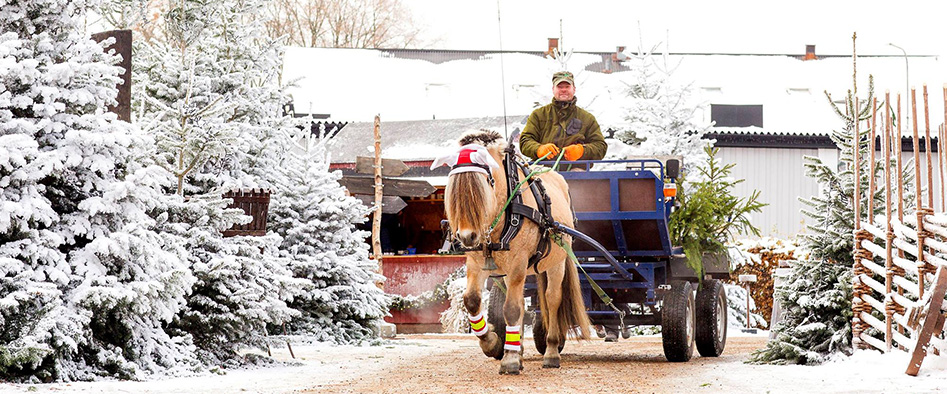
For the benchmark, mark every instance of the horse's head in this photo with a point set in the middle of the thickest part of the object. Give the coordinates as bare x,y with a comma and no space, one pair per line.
470,199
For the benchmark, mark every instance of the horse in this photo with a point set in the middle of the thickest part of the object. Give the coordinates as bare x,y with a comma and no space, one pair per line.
475,195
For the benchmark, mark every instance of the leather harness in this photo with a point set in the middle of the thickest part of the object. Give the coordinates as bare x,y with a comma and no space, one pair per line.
516,211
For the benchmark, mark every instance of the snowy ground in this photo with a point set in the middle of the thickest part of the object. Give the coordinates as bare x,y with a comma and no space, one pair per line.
333,368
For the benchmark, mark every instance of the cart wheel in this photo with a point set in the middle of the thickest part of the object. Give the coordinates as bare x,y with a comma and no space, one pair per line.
495,318
711,330
677,322
539,335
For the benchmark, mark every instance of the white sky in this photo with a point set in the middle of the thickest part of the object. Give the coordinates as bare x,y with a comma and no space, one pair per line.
736,26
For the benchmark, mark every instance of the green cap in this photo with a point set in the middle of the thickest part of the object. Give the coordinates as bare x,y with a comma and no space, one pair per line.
562,76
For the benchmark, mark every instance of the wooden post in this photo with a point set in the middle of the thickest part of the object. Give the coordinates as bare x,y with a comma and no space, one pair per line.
856,196
871,162
122,46
857,302
898,147
940,147
919,210
927,149
940,163
379,196
890,230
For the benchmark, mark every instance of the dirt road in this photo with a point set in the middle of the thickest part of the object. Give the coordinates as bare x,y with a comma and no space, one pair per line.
455,365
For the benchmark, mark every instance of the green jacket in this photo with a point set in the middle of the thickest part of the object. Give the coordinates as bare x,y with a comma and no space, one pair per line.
563,125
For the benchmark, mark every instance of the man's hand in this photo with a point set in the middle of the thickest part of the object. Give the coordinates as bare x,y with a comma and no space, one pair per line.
548,151
574,152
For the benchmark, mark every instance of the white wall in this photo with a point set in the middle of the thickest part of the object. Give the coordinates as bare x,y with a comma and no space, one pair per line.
780,177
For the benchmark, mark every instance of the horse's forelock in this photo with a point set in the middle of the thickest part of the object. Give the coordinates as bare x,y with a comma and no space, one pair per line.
487,138
466,198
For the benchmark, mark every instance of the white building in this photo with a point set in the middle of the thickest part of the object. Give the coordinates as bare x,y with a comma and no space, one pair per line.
770,110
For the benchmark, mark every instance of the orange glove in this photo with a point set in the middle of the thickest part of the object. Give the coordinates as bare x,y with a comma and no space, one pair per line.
574,152
549,151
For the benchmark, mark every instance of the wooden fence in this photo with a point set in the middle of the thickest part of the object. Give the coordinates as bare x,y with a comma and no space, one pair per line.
900,257
255,203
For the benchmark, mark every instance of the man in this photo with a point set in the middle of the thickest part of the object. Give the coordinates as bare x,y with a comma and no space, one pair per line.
562,125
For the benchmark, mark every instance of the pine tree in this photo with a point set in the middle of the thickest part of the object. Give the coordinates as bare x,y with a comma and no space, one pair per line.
209,94
317,223
817,320
660,113
87,282
242,284
213,94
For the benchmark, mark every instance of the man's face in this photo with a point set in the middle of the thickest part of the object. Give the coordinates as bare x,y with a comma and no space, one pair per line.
564,91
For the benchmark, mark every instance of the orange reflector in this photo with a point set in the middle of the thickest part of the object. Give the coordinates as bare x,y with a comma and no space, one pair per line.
670,190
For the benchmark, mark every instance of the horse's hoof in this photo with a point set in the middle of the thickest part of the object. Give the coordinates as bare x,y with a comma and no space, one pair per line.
550,363
491,345
507,371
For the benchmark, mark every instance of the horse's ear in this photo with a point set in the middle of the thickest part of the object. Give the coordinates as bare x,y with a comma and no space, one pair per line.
446,160
484,157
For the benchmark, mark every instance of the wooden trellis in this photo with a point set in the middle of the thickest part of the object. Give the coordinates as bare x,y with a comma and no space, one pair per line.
898,289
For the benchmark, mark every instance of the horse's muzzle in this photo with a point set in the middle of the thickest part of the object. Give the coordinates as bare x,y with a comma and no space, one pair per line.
468,238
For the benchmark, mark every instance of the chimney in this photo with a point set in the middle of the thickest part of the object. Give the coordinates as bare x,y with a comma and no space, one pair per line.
553,47
810,53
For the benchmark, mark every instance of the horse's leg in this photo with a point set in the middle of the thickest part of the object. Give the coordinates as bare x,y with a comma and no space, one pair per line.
512,361
550,316
489,341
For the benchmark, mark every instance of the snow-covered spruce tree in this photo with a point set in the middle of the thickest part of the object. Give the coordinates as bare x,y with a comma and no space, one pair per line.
316,221
242,284
87,283
207,92
214,63
660,112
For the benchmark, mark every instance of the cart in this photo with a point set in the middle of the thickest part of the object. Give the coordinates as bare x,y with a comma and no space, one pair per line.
621,241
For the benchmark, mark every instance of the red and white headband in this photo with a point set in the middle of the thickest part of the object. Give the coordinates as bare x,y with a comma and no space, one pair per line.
469,158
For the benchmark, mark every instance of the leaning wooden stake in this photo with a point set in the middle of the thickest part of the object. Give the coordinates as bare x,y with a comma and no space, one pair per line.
931,324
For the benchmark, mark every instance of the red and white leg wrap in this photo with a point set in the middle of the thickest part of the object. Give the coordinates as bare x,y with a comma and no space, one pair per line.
512,339
478,324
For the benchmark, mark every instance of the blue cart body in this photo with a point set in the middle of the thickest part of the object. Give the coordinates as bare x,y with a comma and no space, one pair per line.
627,213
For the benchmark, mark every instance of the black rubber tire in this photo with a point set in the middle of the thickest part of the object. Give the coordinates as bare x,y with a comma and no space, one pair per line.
495,317
539,335
677,322
711,331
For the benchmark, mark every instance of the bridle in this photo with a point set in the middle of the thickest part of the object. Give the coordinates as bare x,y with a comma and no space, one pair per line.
515,209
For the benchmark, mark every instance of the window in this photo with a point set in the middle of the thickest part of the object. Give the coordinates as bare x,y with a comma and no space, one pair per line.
725,115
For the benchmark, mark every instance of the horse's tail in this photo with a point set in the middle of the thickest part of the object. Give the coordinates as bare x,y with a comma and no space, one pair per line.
572,315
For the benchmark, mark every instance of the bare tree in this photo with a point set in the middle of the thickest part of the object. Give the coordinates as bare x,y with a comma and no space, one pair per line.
342,23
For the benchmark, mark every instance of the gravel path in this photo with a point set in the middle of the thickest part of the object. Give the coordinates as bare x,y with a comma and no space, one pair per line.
455,364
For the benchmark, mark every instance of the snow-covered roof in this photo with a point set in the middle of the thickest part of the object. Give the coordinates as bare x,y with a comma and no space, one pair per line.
356,84
415,140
